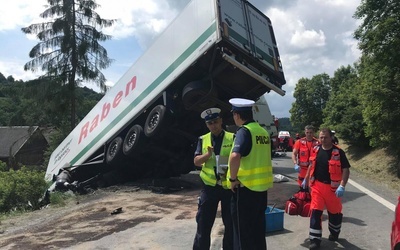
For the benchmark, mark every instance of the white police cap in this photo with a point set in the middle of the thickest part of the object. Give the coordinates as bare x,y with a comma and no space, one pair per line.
210,114
241,104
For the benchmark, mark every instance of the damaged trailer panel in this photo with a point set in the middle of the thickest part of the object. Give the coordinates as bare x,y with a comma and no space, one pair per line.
149,120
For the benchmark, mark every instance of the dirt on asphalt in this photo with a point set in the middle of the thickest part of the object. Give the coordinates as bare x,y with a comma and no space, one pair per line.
89,217
155,203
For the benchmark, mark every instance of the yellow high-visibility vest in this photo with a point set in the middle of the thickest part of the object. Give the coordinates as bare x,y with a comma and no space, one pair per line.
255,170
207,173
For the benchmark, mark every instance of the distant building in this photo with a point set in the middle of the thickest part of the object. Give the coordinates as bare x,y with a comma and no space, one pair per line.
24,145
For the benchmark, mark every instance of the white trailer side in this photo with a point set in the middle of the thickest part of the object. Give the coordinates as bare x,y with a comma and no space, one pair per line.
224,48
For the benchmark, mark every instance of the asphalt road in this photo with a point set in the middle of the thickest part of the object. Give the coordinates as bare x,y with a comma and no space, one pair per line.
366,223
157,220
367,217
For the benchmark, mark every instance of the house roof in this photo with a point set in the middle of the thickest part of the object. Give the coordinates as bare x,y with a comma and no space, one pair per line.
13,138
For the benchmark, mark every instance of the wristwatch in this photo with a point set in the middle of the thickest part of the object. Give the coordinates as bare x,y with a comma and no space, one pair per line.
232,180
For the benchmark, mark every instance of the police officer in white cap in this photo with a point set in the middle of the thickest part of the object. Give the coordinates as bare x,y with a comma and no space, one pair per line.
250,175
215,144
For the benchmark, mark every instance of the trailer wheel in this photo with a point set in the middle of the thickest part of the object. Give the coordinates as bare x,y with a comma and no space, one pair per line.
133,141
114,151
155,120
187,165
194,95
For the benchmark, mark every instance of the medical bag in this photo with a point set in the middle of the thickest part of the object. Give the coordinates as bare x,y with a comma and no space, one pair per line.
299,203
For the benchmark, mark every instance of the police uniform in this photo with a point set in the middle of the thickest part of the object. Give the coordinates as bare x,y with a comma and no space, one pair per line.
254,174
215,187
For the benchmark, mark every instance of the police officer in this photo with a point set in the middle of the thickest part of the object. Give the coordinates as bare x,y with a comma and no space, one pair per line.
327,176
212,152
250,175
301,153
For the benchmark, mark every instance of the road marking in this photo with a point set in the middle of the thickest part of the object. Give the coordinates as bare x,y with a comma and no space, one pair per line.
373,195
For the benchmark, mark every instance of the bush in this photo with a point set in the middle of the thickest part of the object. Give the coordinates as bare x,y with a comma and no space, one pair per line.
59,199
21,189
3,166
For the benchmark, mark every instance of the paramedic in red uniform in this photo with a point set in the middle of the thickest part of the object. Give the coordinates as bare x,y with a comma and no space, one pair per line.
217,142
250,175
327,177
301,153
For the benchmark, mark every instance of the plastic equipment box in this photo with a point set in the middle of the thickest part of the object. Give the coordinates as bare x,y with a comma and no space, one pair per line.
273,219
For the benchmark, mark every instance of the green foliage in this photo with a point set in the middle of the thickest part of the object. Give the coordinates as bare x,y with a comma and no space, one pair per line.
41,103
343,112
69,51
20,188
59,198
379,39
3,166
10,79
311,97
382,104
285,125
2,78
55,139
379,32
363,104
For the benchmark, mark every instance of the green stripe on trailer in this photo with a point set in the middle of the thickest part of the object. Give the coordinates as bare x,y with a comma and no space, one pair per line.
201,39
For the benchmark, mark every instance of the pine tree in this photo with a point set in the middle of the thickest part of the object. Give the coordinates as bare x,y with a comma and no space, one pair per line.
69,52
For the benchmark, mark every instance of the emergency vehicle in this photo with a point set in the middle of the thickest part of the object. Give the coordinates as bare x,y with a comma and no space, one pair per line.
286,142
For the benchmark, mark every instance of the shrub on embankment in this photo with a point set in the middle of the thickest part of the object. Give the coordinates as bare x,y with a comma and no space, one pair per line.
21,189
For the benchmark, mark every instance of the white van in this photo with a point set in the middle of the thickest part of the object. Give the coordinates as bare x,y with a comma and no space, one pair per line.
262,115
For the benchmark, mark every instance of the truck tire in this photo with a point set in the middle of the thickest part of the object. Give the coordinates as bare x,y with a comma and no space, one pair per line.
195,91
155,120
114,151
187,165
133,141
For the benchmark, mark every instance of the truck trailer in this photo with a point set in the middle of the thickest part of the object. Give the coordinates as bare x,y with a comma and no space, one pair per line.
149,121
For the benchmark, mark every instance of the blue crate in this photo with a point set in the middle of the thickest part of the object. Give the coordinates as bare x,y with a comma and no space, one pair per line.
273,219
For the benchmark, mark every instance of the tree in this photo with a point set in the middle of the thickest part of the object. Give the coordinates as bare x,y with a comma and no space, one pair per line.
379,41
10,79
69,51
343,111
311,97
2,78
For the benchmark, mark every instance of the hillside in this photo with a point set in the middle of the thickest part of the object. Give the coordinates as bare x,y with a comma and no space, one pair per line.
376,164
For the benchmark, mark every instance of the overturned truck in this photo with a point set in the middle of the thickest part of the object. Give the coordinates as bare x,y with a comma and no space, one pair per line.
149,121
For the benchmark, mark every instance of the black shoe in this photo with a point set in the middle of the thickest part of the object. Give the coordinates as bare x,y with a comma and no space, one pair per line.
315,244
333,237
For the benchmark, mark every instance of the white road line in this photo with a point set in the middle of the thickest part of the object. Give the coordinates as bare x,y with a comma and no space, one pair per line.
373,195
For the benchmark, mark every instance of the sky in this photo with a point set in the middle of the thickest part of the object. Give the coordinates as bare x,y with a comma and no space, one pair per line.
313,36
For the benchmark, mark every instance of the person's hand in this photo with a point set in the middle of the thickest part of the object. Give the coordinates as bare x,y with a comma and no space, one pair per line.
210,151
339,191
296,168
235,185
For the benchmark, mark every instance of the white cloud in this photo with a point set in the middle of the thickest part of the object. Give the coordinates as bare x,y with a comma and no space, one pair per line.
344,4
15,69
314,36
308,39
142,20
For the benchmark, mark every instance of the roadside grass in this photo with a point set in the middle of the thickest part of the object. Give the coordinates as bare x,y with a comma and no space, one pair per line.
57,199
60,199
375,164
